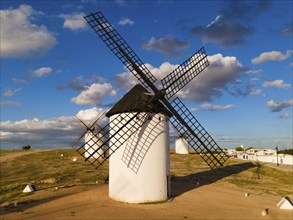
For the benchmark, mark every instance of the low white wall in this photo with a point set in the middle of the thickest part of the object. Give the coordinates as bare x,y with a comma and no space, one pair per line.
282,158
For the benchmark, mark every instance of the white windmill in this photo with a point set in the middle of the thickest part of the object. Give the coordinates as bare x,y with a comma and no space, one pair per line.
138,137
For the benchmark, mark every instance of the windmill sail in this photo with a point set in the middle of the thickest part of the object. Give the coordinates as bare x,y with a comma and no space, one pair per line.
184,73
119,47
183,120
197,137
131,122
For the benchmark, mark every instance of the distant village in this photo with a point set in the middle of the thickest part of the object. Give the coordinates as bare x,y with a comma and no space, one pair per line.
262,155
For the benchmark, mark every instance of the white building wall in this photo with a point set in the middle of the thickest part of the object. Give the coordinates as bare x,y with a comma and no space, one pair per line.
282,158
139,169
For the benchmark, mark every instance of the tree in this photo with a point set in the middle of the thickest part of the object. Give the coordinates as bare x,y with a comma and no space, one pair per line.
26,147
238,148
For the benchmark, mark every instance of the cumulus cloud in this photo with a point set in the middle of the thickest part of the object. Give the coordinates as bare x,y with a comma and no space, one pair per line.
11,92
48,133
74,21
279,83
89,116
125,21
271,56
279,106
232,24
41,72
210,107
94,94
80,83
211,83
221,72
35,39
166,45
126,80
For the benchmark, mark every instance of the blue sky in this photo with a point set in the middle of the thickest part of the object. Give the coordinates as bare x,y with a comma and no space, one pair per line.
53,66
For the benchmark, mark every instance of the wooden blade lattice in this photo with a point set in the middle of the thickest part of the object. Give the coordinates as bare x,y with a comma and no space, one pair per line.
131,122
184,73
201,142
119,47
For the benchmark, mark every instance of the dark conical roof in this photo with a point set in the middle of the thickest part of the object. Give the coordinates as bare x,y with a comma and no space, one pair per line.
133,101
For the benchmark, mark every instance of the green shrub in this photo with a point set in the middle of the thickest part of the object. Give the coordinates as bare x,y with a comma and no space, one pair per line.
26,147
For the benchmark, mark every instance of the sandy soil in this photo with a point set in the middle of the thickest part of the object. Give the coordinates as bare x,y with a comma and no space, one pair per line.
190,201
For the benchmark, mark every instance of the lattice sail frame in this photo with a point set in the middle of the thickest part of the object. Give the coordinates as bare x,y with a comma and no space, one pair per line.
202,136
119,46
184,121
131,122
184,73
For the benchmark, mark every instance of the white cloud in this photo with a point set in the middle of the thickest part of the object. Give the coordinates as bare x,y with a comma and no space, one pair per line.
11,92
279,106
221,72
210,83
89,116
94,94
210,107
126,80
125,21
21,81
166,45
57,132
42,71
35,39
271,56
9,103
74,21
286,115
48,133
276,83
255,92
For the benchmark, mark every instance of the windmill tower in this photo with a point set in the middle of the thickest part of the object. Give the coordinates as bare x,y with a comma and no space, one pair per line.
134,123
181,145
94,139
141,164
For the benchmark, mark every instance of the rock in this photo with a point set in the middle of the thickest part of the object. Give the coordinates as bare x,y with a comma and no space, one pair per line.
247,194
74,159
265,212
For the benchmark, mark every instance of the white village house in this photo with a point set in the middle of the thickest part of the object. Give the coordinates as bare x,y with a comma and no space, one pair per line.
263,155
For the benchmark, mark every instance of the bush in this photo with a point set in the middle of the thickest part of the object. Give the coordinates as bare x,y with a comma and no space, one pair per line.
286,151
238,148
26,147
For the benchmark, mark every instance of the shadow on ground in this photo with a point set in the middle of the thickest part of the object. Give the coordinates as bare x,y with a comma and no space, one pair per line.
28,203
182,184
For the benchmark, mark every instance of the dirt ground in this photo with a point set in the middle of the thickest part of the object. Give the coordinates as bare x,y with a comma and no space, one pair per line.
214,201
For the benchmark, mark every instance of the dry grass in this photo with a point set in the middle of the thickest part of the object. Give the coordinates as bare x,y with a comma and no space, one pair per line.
39,167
